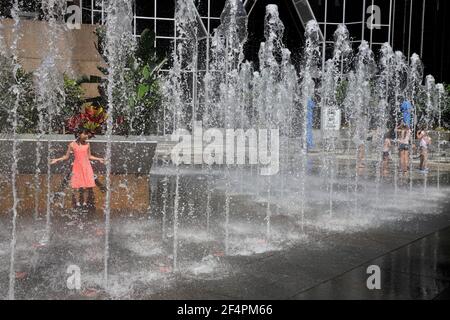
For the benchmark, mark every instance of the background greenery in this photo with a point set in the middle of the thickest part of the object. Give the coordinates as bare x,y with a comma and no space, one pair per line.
28,114
142,112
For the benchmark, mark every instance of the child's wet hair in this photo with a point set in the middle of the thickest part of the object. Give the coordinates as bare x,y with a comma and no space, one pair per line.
423,127
81,131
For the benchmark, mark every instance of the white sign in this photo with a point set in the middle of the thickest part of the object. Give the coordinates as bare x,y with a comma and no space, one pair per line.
331,119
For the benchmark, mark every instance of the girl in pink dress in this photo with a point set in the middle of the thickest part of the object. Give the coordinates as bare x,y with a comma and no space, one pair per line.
82,174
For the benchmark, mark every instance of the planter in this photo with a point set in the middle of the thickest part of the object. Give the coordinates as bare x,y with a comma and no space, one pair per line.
131,163
132,155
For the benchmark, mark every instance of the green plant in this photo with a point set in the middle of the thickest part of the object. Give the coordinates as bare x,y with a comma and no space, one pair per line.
141,113
145,109
341,92
91,118
74,99
26,111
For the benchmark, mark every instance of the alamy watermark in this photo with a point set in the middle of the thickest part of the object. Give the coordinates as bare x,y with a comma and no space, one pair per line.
74,12
74,18
374,21
374,280
228,146
74,280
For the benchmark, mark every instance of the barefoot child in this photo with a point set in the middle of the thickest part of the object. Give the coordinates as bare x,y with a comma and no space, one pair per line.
404,147
82,174
425,141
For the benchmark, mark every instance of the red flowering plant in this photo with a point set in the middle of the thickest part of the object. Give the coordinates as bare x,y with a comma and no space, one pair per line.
92,118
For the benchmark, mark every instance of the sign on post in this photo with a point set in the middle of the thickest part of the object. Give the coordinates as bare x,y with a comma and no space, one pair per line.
331,121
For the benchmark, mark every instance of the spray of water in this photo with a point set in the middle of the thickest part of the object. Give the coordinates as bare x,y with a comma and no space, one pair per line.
16,90
363,101
119,43
310,71
332,82
400,80
440,104
385,97
415,78
50,94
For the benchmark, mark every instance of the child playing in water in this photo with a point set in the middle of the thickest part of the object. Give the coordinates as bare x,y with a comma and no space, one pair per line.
424,141
386,153
404,137
82,174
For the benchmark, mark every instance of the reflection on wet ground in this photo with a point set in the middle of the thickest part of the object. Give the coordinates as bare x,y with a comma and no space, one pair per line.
418,270
243,240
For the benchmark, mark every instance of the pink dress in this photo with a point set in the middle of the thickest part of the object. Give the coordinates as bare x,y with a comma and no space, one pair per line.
82,173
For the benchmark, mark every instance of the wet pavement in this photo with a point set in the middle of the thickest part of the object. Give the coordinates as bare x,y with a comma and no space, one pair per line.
241,240
418,270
